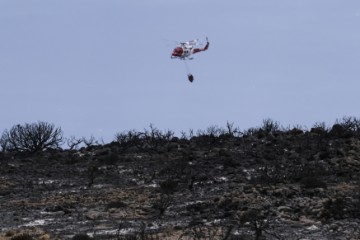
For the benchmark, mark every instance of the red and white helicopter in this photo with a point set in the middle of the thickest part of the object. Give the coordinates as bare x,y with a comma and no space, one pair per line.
185,50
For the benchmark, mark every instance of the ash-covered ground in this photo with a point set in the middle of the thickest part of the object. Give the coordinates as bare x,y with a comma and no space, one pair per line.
291,184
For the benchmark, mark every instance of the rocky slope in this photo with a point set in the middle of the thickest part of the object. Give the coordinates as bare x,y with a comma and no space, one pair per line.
264,185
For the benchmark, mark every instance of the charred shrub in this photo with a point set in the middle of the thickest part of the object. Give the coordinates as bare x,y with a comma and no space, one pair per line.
319,128
338,130
198,232
229,162
168,186
23,236
151,140
116,204
270,126
162,203
257,219
313,182
346,127
34,137
334,209
353,205
201,207
270,174
110,159
130,138
82,237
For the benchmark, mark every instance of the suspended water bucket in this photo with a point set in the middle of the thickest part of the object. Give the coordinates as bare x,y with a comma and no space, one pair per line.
190,77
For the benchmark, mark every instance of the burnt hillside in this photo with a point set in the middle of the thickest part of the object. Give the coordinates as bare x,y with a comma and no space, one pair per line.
264,183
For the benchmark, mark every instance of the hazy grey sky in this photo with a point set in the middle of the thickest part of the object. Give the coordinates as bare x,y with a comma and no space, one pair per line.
98,67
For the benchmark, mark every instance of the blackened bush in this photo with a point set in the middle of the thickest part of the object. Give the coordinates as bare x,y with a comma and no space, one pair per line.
230,163
116,204
334,208
162,203
23,236
350,124
33,137
4,142
256,219
82,237
168,186
130,139
313,182
338,130
296,131
346,127
270,126
320,128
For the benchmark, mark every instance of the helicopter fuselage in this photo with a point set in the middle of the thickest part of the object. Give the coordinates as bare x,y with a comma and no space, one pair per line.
182,52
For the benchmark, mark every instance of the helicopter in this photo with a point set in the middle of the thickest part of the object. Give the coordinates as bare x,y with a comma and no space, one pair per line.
185,50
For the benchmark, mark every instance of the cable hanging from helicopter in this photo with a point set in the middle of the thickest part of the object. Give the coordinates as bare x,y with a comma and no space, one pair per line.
185,50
